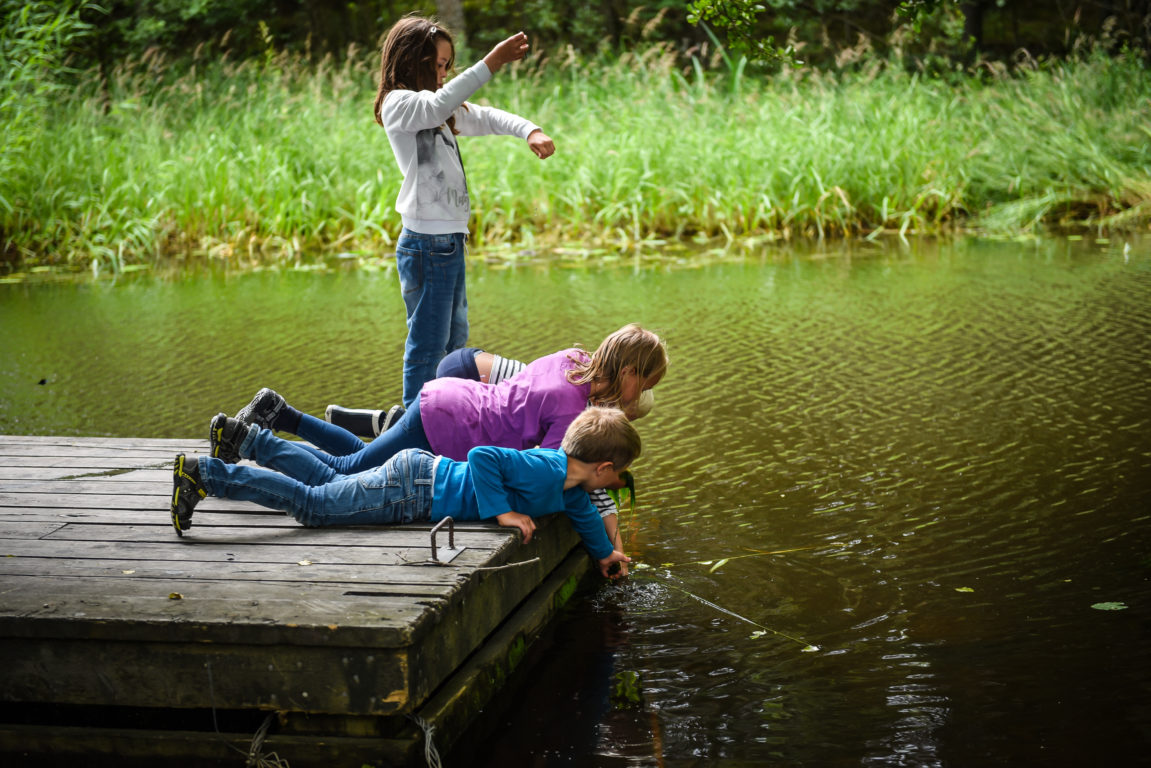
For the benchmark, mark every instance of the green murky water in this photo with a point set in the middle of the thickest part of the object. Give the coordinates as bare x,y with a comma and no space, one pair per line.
954,440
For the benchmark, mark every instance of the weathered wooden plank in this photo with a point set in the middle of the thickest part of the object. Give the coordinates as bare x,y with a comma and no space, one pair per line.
278,531
212,513
10,474
32,529
306,574
85,500
90,463
152,483
209,552
93,747
192,674
50,606
109,450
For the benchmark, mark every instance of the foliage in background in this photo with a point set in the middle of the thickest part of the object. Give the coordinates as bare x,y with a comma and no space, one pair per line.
815,30
35,42
278,158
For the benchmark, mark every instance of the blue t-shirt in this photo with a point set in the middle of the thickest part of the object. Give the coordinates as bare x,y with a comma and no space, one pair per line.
497,480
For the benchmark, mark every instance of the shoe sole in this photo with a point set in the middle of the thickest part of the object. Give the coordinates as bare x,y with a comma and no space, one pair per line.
177,470
216,435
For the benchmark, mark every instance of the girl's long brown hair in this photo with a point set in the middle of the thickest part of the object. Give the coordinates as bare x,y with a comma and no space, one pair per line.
408,59
630,347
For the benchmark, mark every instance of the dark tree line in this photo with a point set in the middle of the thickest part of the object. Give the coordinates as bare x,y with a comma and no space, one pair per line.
822,28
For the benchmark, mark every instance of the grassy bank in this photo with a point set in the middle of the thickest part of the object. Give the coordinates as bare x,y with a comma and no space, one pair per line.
275,159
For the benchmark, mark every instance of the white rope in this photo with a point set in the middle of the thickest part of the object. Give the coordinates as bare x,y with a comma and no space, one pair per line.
431,756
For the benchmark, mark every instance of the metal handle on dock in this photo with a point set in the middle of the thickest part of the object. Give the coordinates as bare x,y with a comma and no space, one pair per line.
451,537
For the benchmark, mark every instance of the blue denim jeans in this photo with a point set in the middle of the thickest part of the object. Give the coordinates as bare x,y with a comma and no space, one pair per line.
431,269
398,491
342,451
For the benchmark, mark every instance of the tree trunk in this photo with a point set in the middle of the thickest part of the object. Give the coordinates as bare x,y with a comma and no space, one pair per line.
451,13
973,23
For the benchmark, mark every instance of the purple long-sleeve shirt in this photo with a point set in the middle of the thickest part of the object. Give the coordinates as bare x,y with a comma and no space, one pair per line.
532,408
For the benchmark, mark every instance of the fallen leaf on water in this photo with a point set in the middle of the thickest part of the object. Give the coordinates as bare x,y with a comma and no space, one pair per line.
964,589
1110,606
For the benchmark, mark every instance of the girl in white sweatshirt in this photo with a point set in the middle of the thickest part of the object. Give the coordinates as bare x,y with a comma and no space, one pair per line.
422,116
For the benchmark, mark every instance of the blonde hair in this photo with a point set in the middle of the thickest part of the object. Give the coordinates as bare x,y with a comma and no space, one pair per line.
602,434
630,347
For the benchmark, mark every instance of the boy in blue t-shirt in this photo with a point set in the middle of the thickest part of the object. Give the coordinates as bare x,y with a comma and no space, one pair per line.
503,484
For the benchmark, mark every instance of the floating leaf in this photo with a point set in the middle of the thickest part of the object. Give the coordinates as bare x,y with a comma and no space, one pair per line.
758,634
175,596
1110,606
718,565
964,589
810,649
640,566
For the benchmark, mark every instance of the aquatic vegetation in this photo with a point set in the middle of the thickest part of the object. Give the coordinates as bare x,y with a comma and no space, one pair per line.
278,160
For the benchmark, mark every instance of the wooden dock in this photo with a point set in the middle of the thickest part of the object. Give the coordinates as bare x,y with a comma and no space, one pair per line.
250,636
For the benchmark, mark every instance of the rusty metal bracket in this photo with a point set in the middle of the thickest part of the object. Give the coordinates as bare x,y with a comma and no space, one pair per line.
448,553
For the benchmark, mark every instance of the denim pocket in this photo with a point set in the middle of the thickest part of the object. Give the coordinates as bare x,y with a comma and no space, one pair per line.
410,267
384,476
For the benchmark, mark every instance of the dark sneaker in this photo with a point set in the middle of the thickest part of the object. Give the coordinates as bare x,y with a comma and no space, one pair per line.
395,413
225,436
361,422
186,492
263,409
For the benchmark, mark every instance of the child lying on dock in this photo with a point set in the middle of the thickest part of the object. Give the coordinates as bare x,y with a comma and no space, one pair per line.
414,486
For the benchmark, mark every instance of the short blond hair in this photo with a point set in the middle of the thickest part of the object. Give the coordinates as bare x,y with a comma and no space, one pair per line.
602,434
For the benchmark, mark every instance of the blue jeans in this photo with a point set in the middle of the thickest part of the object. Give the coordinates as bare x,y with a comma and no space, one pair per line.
339,449
432,275
399,491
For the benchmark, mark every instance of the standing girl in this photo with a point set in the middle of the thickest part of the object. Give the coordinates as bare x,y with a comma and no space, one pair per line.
422,116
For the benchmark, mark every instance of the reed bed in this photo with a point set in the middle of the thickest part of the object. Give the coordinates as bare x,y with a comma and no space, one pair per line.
280,160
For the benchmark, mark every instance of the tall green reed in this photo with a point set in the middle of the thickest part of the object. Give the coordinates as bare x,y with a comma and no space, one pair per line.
279,159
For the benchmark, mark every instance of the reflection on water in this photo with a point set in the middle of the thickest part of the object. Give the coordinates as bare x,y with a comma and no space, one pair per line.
953,442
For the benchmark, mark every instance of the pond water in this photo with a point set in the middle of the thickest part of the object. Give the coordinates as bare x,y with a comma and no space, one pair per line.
888,491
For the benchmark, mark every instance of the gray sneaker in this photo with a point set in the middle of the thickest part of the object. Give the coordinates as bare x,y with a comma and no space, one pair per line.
263,409
225,436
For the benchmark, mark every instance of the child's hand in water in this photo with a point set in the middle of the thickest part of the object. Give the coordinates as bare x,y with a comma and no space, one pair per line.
605,565
539,143
512,49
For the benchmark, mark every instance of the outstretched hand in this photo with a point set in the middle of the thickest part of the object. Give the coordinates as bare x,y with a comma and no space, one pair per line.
541,144
512,49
